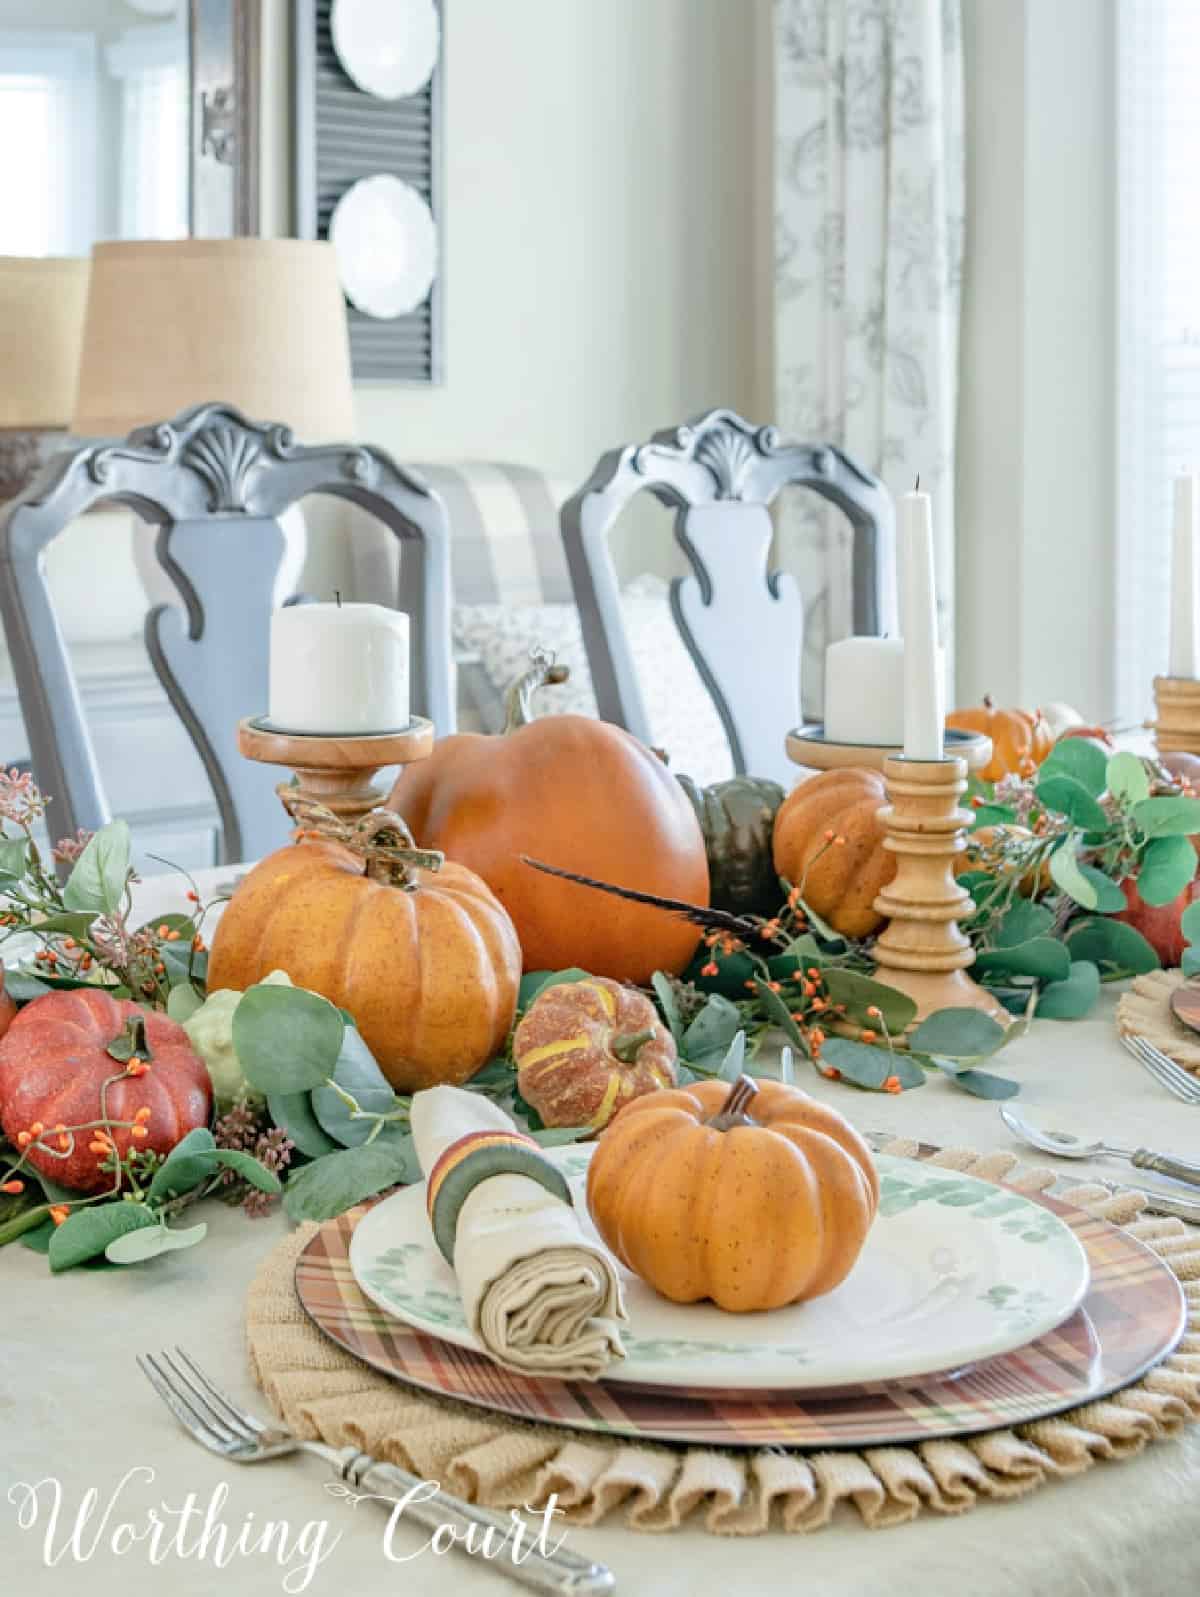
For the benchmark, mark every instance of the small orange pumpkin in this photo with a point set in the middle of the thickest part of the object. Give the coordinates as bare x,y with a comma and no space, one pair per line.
998,850
840,880
585,1049
751,1195
426,960
1021,739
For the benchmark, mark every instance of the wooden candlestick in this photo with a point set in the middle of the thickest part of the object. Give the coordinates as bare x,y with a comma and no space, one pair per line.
923,951
335,771
1177,726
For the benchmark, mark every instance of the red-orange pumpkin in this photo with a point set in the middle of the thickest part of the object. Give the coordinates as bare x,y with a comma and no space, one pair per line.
54,1067
585,1048
580,794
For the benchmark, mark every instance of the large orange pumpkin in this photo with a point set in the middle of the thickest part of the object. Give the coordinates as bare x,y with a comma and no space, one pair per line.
55,1067
584,1049
1021,739
839,880
425,960
579,794
751,1197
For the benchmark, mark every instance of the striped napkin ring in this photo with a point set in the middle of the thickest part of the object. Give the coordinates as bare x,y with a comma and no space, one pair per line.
474,1158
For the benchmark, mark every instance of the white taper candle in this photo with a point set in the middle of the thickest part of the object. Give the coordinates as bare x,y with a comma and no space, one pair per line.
924,710
1182,658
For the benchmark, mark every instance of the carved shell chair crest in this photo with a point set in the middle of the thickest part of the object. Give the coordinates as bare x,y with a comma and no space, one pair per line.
215,485
741,620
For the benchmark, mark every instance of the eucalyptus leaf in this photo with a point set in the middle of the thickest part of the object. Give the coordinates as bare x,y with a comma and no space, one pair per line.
1168,817
1066,874
356,1073
1127,778
981,1083
1190,962
1042,957
71,923
292,1112
1118,949
148,1243
860,994
286,1039
98,877
22,985
1189,922
993,815
665,994
735,1059
251,1170
1110,900
1073,998
88,1232
780,1015
1065,795
14,858
560,1136
1023,922
1168,866
183,1002
960,1032
38,1240
183,963
331,1185
707,1039
537,981
1080,760
191,1161
865,1066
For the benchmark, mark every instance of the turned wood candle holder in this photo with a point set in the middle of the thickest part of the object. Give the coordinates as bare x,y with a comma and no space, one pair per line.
923,951
808,747
333,770
1177,725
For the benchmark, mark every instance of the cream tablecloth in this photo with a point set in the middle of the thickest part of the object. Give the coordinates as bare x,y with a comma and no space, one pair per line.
73,1407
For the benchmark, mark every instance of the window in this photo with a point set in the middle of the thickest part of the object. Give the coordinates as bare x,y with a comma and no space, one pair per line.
48,131
149,64
1158,340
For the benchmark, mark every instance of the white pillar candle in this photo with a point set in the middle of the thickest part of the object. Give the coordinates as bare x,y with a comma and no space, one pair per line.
864,692
924,705
339,669
1184,658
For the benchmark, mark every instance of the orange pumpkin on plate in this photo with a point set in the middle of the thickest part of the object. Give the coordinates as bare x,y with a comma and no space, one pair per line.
585,1049
1021,739
426,961
753,1196
576,793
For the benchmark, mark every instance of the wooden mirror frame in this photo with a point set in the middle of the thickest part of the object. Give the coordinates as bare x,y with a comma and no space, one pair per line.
224,47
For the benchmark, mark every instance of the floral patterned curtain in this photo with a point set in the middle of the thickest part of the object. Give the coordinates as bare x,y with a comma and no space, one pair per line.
869,240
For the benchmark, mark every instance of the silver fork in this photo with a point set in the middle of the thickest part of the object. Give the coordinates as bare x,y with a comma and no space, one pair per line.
1165,1071
217,1423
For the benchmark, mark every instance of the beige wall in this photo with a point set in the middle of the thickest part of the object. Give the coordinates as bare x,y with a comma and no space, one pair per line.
607,191
1036,501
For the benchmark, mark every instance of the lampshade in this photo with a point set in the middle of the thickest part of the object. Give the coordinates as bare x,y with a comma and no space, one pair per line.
41,323
255,323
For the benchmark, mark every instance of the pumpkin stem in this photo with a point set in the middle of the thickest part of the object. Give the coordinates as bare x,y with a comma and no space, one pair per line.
131,1043
518,703
988,702
741,1094
626,1048
389,852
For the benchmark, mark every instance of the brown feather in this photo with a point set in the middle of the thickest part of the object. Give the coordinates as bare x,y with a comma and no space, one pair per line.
713,920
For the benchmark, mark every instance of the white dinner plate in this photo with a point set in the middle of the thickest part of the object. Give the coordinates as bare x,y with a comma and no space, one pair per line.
389,48
385,239
954,1270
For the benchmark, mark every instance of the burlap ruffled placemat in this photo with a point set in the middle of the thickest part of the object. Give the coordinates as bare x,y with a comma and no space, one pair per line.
1145,1011
323,1393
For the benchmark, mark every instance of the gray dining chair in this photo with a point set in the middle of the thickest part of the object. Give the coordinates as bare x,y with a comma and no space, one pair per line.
741,619
214,484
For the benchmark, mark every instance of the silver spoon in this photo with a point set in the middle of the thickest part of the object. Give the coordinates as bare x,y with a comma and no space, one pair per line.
1065,1146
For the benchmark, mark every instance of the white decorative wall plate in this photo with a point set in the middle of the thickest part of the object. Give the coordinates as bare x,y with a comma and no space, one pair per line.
387,248
389,48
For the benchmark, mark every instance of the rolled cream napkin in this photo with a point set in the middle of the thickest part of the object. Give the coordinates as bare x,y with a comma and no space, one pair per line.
540,1295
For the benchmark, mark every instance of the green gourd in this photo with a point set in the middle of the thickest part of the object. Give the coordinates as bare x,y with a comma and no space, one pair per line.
737,817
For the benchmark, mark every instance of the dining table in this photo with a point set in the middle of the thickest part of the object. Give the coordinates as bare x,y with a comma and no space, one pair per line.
78,1417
